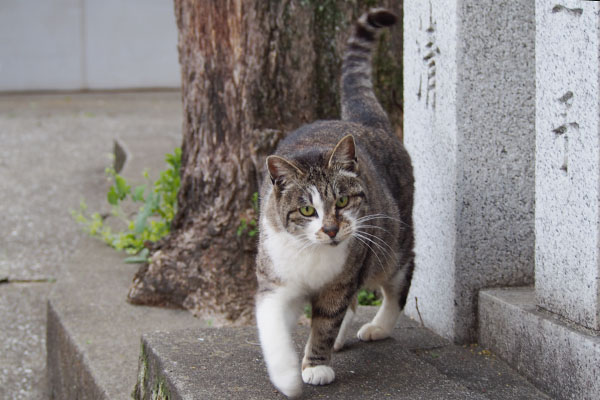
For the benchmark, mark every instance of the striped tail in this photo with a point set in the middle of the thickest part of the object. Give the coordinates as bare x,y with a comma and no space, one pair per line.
359,103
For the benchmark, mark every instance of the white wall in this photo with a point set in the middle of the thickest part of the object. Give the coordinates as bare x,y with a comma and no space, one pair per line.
87,44
469,126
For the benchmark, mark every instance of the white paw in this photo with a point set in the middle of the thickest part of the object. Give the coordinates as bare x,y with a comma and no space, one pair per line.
288,382
319,375
370,332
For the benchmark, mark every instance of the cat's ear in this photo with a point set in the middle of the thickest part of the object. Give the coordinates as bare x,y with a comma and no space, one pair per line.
282,170
344,154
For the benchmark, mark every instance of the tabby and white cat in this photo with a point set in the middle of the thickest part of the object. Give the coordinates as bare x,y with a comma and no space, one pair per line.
336,215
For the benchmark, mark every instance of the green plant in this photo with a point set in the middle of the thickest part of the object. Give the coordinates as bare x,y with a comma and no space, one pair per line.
308,311
368,298
153,218
250,225
365,298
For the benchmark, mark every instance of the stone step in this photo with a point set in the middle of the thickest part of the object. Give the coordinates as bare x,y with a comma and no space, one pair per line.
93,343
554,353
227,363
93,334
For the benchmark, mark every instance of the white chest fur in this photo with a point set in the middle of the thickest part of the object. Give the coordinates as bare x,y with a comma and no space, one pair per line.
309,267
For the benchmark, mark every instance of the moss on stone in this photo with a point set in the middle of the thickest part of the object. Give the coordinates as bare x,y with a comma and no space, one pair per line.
160,389
139,392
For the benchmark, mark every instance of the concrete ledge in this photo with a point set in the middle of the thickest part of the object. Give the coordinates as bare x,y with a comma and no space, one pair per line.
552,353
93,334
93,343
415,363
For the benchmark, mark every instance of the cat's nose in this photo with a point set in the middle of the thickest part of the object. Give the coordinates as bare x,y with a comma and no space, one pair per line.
331,231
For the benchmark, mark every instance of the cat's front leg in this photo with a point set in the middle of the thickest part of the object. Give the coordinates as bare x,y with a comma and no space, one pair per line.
325,325
276,314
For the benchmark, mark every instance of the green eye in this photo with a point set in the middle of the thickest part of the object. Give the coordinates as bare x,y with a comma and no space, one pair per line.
307,211
342,202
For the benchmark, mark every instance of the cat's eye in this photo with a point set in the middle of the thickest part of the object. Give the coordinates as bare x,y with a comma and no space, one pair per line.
307,211
342,202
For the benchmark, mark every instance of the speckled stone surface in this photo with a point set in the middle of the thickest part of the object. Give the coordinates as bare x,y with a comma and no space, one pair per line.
414,364
568,160
53,152
54,149
93,333
22,340
469,97
553,353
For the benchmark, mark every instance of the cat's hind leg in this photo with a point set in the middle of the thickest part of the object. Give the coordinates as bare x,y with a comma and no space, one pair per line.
394,293
382,325
276,314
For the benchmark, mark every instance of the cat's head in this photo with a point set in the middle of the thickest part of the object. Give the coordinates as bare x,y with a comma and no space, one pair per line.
319,197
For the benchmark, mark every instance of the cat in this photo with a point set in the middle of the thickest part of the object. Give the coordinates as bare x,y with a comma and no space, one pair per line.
335,216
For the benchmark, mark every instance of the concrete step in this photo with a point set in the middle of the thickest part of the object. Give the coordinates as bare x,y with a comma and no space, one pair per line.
93,343
53,153
415,363
554,353
93,334
22,340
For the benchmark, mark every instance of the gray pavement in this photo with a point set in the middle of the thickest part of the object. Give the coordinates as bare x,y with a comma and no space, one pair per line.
413,364
53,152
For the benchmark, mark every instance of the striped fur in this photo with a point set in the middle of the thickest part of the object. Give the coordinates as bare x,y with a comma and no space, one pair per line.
359,103
336,215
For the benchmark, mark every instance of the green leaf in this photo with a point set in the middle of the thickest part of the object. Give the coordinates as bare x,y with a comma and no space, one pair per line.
308,310
141,257
153,220
368,298
112,196
254,201
241,227
122,188
145,212
138,193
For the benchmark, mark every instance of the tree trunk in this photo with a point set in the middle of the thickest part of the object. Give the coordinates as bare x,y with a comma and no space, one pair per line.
252,70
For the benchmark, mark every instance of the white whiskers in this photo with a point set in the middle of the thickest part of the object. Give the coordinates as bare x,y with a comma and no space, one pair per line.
378,246
363,242
371,217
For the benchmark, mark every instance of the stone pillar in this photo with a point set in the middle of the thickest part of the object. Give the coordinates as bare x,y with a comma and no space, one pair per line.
469,126
567,225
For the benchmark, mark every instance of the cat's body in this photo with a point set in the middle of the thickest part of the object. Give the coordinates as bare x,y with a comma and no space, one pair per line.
335,216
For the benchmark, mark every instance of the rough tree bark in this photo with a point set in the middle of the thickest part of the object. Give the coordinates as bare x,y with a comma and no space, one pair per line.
252,70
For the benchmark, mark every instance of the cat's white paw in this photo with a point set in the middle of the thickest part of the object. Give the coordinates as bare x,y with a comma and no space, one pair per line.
288,382
370,332
319,375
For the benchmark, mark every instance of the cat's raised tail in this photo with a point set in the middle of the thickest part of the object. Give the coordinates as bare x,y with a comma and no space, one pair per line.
359,103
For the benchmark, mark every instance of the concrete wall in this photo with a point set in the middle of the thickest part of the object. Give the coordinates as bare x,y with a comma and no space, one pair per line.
469,95
87,44
551,332
568,160
430,134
